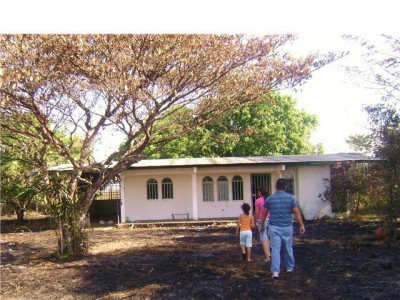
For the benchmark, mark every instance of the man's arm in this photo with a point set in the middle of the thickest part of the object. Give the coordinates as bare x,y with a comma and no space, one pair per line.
299,219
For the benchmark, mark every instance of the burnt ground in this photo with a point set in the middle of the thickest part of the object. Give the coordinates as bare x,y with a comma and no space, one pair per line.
334,260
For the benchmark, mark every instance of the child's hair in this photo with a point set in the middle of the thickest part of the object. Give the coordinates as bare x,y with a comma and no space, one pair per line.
246,208
263,191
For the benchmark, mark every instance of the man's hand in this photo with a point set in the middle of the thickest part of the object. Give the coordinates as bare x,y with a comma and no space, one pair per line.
302,229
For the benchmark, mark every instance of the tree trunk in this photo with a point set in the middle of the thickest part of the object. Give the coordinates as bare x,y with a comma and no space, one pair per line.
20,211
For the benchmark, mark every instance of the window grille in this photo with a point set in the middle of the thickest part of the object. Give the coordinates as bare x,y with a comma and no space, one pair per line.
289,184
152,189
222,185
237,188
208,194
167,189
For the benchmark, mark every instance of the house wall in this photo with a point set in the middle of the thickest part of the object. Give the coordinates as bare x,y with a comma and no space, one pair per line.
310,185
188,192
136,205
222,209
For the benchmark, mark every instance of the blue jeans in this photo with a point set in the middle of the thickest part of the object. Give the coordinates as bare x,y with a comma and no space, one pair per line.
281,236
263,235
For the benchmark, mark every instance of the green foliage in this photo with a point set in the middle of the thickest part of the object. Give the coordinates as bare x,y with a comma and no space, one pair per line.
67,212
272,127
23,159
385,122
18,196
356,186
362,143
381,73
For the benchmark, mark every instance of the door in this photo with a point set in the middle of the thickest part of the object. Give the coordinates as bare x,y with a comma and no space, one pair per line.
258,180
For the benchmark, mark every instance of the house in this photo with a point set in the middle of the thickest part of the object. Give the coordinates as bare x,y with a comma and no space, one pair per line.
204,188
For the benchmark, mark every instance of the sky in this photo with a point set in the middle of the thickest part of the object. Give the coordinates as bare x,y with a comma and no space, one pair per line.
334,96
331,94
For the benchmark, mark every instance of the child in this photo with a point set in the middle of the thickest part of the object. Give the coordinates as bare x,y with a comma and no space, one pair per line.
258,213
245,224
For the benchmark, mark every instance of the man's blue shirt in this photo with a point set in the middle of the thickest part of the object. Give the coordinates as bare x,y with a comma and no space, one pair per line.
280,207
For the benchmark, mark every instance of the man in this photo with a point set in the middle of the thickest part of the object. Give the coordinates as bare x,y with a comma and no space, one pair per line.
280,206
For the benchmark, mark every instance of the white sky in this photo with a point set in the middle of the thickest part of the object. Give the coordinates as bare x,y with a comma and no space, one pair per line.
330,94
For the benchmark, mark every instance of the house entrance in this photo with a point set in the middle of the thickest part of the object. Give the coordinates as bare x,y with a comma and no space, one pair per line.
107,204
258,180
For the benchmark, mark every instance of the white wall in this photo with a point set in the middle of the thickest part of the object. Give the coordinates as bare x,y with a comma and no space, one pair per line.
310,184
137,207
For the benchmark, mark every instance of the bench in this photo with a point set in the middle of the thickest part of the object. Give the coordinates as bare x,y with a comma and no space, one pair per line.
186,214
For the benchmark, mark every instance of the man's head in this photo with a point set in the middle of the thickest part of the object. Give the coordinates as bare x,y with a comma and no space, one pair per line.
281,184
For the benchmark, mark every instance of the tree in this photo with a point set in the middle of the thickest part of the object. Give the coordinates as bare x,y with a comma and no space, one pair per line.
271,127
94,84
20,156
385,123
355,186
382,73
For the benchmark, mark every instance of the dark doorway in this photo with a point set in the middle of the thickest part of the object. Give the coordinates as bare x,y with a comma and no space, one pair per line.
107,203
258,180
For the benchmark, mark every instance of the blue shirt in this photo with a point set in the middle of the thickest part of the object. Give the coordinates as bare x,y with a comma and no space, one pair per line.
280,207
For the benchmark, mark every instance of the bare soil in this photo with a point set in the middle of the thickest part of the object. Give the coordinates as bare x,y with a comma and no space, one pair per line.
334,260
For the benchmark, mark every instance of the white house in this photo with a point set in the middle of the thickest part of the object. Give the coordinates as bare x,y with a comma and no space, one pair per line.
204,188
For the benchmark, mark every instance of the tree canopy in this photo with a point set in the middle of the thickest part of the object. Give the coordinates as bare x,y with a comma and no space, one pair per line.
270,127
20,156
382,73
91,85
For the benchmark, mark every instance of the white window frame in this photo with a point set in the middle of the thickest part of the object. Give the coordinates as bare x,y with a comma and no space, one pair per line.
223,188
167,188
208,189
152,189
237,188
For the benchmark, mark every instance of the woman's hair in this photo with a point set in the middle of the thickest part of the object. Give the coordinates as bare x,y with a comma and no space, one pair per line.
246,208
263,191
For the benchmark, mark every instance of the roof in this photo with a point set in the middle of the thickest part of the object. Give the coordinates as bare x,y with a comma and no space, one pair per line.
252,160
312,159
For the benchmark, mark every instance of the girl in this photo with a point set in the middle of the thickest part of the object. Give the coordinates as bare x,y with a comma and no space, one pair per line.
245,224
258,213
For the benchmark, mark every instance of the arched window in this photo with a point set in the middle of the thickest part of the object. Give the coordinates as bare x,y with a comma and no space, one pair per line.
208,194
152,189
237,188
222,187
167,189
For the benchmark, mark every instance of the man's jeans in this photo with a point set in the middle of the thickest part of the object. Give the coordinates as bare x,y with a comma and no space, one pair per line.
281,236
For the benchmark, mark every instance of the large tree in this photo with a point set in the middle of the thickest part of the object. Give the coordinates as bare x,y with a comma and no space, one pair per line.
94,84
20,156
271,127
381,72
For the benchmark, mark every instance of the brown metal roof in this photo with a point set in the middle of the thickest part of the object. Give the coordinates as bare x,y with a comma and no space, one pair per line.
312,159
252,160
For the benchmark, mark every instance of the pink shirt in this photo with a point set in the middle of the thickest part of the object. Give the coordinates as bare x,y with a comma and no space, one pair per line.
260,205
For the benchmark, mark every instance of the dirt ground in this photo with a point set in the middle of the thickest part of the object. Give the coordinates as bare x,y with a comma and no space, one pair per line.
334,260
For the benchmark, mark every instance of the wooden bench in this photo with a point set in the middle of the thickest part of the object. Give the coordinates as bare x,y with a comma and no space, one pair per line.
186,214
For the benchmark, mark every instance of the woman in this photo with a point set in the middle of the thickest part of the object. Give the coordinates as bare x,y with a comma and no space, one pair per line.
258,213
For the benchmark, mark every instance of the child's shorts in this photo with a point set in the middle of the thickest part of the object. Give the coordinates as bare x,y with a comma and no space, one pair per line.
246,238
